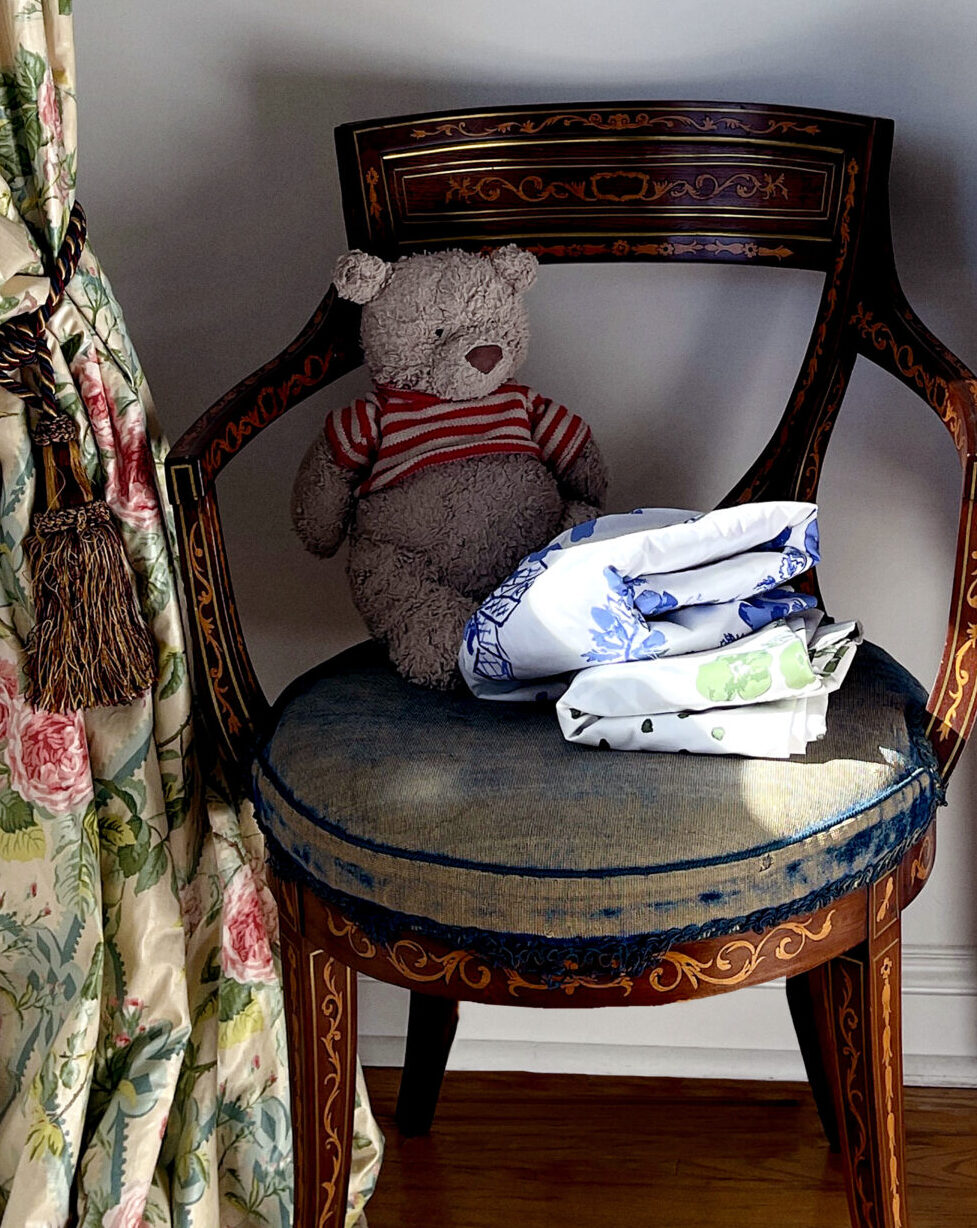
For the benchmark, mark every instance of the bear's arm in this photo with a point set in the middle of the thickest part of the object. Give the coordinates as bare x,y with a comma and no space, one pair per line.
322,499
585,479
558,433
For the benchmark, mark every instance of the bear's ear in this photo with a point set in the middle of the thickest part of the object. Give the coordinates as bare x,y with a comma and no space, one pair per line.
360,277
519,268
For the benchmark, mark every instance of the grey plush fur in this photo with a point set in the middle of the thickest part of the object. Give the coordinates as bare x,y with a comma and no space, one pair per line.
426,551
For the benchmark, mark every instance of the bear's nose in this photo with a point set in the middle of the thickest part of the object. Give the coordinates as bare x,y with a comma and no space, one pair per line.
484,357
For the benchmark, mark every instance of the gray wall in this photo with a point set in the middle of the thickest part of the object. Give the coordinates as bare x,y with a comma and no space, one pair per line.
207,169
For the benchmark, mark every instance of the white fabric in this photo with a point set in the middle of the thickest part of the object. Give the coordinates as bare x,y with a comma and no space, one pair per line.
668,630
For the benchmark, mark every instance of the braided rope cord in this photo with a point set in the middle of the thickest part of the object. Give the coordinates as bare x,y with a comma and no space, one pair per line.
23,343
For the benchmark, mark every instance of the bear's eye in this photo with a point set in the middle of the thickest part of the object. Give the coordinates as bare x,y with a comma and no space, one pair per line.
439,332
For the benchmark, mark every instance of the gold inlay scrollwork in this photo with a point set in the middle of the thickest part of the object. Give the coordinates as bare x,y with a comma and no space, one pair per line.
372,179
270,403
330,997
883,909
617,121
739,959
934,388
749,249
568,983
922,864
849,1025
417,964
211,642
959,640
633,187
357,941
735,963
807,483
961,674
889,1075
841,259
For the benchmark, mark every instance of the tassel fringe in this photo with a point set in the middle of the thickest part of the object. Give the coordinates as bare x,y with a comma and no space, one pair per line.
89,647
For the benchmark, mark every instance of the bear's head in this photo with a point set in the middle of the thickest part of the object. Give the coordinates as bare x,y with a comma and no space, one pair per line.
452,324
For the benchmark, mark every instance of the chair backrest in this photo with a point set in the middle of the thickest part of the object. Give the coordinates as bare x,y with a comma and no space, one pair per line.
618,181
660,181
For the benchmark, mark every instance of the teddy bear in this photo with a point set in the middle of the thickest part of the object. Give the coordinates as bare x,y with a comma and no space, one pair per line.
448,473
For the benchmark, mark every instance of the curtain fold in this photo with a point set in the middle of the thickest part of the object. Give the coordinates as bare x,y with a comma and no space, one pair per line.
143,1075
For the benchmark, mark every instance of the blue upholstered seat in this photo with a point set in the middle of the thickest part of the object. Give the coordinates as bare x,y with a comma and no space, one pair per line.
476,822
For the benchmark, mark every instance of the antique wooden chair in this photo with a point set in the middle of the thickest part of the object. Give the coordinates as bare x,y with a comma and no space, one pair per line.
402,848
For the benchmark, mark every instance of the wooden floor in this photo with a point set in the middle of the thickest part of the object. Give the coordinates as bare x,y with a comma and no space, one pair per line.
572,1151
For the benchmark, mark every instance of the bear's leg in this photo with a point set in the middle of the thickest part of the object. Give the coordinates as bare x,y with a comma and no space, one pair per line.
404,604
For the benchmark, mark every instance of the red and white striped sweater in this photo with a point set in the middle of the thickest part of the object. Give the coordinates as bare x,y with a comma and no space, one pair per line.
392,433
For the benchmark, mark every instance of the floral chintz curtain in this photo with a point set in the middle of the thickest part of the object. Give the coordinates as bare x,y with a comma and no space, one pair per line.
143,1074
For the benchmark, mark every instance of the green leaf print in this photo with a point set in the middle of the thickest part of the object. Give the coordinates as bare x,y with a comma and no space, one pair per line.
92,986
153,868
172,673
8,135
21,837
745,675
234,998
795,666
77,870
114,831
132,857
71,345
29,71
15,814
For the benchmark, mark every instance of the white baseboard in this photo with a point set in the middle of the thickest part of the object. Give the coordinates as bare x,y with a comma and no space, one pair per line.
744,1035
657,1061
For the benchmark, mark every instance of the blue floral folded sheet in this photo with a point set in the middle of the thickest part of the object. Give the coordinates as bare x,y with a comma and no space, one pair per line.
669,630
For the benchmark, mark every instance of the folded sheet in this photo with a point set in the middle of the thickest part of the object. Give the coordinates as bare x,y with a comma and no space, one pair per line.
766,696
668,630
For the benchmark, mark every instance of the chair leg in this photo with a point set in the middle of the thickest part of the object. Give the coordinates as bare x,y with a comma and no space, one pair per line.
431,1028
806,998
320,1009
865,996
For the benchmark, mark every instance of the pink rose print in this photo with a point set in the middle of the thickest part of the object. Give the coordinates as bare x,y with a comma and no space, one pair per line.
269,908
88,377
245,950
128,1213
9,678
9,683
191,908
137,501
48,759
48,111
130,489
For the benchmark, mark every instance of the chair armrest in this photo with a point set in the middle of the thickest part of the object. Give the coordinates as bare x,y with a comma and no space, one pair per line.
324,350
889,332
233,706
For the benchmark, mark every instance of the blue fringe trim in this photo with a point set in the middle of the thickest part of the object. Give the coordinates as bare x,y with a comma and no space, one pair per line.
556,960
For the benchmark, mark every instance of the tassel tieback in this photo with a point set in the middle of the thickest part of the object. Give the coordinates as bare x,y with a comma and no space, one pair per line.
90,646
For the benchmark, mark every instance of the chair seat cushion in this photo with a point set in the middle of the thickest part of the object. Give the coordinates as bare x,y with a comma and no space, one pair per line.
476,822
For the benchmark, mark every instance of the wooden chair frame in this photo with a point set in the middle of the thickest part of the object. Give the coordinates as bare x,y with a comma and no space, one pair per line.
656,181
